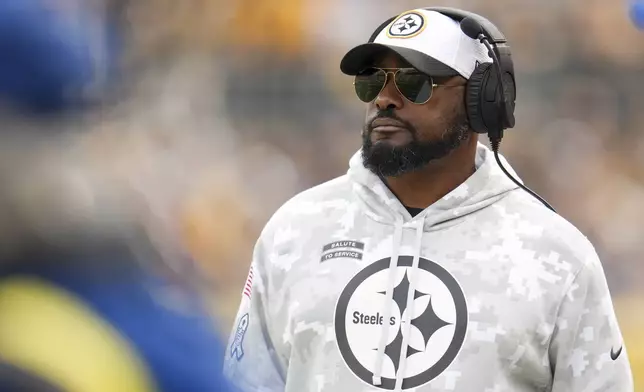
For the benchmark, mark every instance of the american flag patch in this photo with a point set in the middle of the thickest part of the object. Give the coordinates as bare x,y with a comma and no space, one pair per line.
248,287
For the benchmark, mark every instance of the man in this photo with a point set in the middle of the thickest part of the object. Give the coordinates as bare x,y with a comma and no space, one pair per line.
424,268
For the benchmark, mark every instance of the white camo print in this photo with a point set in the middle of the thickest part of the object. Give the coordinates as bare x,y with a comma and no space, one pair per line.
539,313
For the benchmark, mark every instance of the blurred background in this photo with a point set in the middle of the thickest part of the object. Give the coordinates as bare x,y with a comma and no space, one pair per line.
199,118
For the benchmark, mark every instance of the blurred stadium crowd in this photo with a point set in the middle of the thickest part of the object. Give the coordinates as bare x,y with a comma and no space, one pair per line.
198,118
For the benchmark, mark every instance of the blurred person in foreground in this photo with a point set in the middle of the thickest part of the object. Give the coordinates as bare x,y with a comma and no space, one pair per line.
87,301
425,267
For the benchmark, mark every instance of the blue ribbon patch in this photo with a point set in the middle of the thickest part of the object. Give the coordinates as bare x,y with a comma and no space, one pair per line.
236,349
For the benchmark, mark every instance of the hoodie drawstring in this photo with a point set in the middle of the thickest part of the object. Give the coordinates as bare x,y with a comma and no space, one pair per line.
384,331
405,323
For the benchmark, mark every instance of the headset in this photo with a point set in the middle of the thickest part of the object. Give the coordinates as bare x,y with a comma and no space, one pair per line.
490,94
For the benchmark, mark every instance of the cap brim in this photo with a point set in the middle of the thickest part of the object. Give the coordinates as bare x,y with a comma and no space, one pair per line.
364,56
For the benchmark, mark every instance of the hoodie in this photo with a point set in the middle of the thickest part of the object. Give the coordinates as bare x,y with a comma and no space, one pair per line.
484,290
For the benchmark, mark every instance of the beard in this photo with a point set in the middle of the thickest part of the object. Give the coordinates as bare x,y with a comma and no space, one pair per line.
387,160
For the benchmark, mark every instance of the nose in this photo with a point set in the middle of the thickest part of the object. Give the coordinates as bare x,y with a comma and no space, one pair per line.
389,97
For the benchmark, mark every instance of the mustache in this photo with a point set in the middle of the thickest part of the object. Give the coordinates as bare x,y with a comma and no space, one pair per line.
388,113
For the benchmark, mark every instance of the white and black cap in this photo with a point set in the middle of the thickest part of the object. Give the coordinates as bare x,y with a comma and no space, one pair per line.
431,42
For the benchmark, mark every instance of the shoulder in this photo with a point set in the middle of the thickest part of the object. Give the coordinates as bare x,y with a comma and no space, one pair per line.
311,205
547,233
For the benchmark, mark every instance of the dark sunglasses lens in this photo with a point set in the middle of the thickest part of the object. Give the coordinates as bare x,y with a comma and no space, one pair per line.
415,86
369,83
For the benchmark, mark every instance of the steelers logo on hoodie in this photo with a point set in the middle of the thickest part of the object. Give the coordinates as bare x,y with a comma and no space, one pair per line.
400,324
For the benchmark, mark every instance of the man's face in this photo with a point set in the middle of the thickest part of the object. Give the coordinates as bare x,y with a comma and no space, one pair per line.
420,133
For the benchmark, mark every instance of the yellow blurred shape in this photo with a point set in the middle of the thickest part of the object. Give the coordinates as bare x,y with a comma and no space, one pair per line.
276,25
631,321
48,332
214,225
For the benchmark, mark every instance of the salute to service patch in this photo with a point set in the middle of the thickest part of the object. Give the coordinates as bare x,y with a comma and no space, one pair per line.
340,249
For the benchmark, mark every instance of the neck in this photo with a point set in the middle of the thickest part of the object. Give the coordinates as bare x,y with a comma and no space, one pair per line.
424,187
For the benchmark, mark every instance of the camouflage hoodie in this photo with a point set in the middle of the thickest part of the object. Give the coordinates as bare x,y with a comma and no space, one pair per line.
485,290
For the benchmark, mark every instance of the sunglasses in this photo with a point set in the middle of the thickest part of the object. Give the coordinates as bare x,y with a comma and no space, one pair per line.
412,84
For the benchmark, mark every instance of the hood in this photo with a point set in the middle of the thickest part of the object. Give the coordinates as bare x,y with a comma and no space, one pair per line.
486,186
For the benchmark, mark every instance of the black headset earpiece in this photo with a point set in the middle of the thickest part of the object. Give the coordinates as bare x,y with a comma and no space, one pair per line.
478,83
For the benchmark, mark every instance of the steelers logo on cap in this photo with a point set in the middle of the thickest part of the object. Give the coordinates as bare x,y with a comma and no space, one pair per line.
407,25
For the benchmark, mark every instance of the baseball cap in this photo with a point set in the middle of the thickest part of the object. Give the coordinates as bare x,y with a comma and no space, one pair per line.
431,42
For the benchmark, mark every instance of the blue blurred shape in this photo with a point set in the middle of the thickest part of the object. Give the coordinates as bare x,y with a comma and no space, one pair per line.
45,56
637,13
